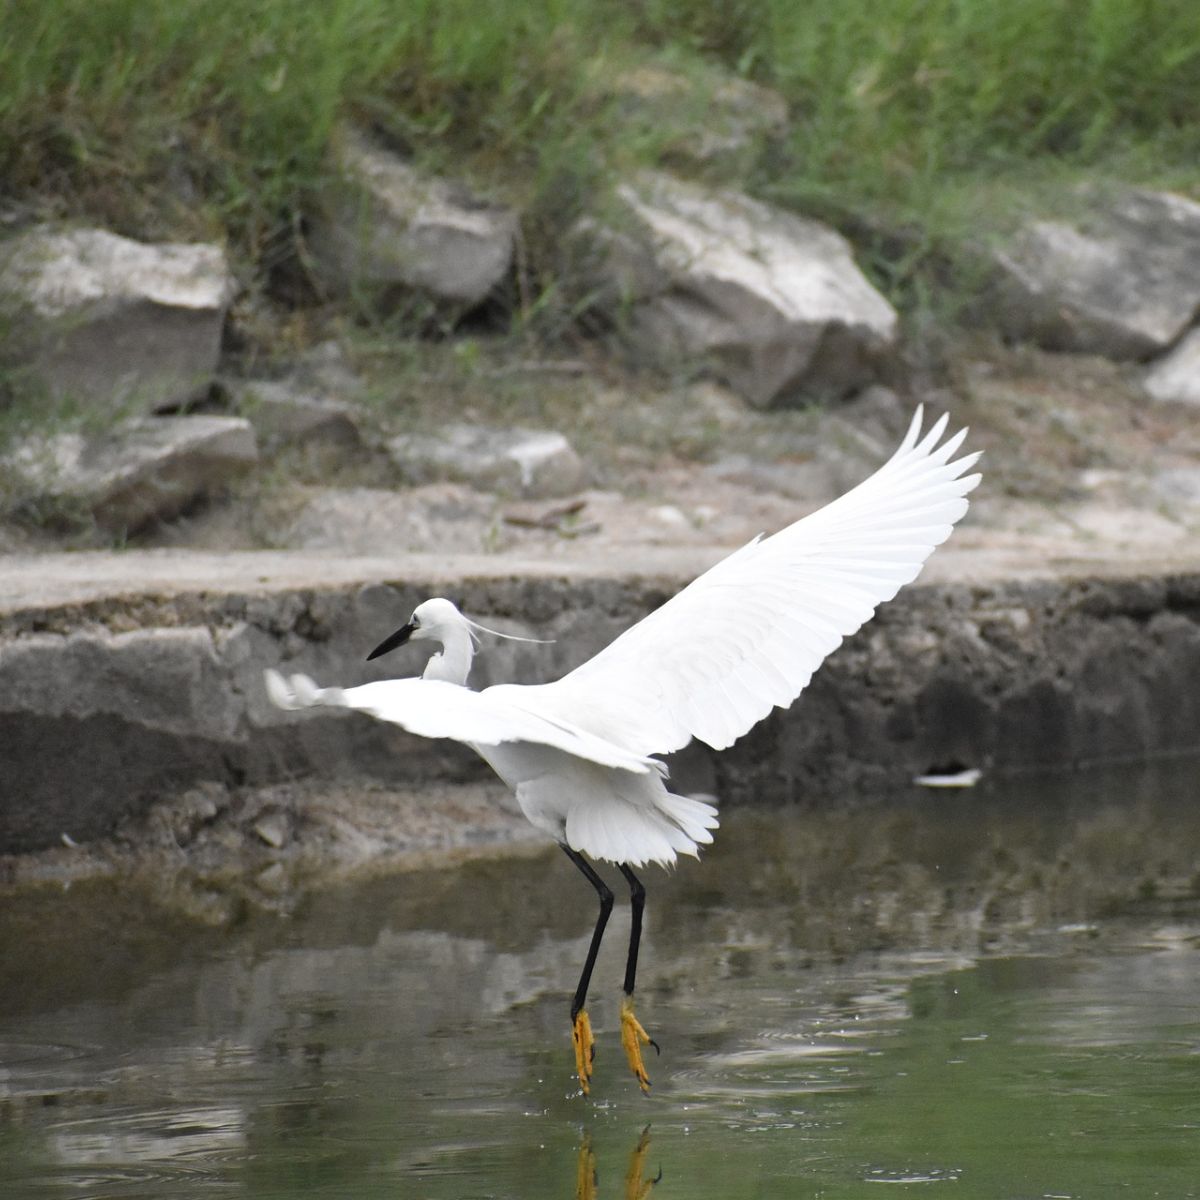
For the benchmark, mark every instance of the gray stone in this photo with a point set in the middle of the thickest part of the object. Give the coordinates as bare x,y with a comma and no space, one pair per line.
386,230
1122,279
771,302
284,414
166,679
94,725
1176,376
148,469
446,518
706,118
811,482
325,369
273,829
113,321
525,462
1178,487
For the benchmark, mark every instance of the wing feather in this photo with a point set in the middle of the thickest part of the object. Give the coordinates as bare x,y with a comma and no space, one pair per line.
747,635
436,709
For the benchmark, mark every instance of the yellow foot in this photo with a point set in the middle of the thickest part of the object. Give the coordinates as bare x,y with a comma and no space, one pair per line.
585,1048
633,1038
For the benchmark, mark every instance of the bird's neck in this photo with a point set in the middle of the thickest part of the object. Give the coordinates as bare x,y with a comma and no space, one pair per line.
453,664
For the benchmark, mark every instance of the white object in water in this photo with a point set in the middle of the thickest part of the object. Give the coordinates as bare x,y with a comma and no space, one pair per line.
743,638
968,777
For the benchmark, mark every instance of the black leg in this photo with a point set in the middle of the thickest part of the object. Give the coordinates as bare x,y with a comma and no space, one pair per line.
637,902
606,903
633,1036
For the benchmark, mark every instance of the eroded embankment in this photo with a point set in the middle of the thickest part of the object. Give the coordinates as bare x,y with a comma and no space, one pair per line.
126,680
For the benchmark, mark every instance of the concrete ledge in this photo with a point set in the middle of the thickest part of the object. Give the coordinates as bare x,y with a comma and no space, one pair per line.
128,678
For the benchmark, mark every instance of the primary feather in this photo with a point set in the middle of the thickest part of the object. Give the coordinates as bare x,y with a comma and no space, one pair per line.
743,638
747,635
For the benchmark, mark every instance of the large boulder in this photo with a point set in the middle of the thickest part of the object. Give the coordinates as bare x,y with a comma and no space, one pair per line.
524,462
148,469
1121,279
113,321
770,302
388,232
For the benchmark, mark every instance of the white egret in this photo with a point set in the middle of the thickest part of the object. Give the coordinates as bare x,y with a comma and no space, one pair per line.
743,638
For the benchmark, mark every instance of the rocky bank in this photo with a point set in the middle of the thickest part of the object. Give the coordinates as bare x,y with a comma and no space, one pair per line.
1060,626
131,683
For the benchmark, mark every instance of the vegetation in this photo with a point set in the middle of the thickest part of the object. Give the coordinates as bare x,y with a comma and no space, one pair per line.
908,120
211,117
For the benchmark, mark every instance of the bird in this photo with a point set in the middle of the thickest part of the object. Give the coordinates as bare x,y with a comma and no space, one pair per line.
581,753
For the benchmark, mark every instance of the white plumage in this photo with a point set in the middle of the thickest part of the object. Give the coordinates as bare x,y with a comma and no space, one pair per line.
744,637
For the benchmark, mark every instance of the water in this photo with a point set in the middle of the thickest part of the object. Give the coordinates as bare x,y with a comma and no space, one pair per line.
988,994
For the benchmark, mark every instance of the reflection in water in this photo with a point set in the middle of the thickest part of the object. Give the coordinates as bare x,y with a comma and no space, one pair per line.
996,990
146,1138
637,1185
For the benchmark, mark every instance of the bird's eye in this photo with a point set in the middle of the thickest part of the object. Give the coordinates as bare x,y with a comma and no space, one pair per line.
415,622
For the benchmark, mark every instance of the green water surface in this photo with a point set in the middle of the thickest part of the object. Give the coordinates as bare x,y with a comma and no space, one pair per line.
987,994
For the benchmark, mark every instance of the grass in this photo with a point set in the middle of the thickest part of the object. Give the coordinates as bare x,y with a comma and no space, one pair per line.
211,117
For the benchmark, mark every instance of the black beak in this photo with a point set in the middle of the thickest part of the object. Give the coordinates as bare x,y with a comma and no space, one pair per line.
390,643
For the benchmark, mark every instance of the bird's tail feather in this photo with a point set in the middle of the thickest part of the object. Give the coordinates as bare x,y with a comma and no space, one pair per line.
693,815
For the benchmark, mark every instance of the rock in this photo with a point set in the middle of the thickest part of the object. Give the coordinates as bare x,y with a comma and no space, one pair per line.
811,481
283,414
1178,488
446,518
179,820
273,828
107,720
170,678
148,469
530,463
324,369
1176,376
1121,280
772,303
114,321
388,231
703,118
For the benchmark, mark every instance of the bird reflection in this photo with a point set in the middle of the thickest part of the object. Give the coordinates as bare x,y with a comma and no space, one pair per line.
636,1187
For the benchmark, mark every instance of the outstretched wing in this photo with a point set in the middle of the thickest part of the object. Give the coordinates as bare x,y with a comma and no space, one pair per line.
747,635
436,709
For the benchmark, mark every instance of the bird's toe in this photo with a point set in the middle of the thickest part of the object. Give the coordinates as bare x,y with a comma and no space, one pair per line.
633,1038
585,1048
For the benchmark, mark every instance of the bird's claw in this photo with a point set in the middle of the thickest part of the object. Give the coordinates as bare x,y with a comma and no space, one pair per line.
633,1038
585,1048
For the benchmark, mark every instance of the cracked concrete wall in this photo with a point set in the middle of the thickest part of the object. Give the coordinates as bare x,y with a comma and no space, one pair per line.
1015,677
108,706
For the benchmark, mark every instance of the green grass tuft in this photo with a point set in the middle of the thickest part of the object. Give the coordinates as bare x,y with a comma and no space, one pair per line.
210,118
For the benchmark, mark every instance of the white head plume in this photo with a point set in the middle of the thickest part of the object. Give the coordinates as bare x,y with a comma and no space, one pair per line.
476,629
